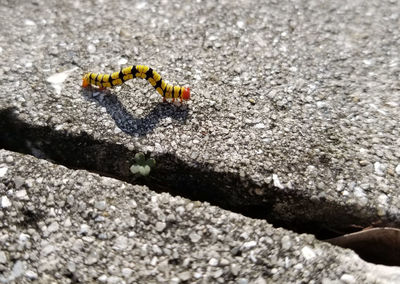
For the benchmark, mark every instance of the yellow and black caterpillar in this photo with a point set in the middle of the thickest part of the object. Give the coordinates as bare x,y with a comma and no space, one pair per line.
167,91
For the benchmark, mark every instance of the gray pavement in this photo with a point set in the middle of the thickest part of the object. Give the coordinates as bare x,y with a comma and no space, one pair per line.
294,113
71,226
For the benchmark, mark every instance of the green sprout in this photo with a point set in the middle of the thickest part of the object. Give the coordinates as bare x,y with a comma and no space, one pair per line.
142,166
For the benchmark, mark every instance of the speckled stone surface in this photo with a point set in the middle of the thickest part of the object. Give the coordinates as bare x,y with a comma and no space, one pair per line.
298,101
72,226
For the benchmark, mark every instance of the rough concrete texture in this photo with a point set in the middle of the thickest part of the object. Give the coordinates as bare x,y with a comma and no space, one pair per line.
297,100
68,226
294,113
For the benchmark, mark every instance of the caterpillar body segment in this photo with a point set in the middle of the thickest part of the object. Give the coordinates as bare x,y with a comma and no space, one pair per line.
166,90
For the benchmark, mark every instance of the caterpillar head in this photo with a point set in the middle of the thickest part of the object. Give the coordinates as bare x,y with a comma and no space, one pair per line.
85,81
186,94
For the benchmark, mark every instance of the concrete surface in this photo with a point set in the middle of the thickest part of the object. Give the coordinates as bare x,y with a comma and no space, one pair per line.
71,226
295,107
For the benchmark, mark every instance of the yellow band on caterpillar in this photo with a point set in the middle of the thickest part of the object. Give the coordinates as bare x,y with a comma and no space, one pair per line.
166,90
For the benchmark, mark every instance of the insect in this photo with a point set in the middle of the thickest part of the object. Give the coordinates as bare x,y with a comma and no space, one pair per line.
166,90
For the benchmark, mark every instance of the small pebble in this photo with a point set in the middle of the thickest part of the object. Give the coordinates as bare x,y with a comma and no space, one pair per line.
21,194
32,275
308,253
249,245
9,159
286,243
259,126
91,48
100,205
3,257
348,279
160,226
379,169
120,243
114,280
194,237
3,171
185,276
143,217
102,278
84,230
18,269
4,202
235,269
213,262
53,227
92,258
218,273
126,272
397,170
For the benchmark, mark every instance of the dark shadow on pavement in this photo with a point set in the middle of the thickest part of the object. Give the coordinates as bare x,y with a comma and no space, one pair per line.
127,122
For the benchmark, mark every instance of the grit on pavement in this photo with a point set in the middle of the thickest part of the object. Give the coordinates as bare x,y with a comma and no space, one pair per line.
70,226
294,118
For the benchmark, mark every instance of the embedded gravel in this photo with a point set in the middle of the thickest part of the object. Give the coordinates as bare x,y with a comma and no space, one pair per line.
299,99
71,226
302,98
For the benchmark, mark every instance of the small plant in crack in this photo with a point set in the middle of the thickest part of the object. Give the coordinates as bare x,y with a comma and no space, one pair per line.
142,167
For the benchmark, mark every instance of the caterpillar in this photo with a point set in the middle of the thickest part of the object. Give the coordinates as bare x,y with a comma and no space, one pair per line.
166,90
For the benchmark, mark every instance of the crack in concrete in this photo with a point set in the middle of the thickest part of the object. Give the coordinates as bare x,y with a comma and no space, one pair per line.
288,209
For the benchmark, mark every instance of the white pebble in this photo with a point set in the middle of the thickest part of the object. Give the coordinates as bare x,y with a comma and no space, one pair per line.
92,258
32,275
398,169
308,253
17,270
213,262
277,182
84,230
235,269
28,22
57,80
4,202
91,48
249,245
100,205
240,24
194,237
286,243
21,194
126,272
185,276
53,227
348,279
102,278
3,257
120,243
122,61
143,217
67,222
9,159
3,171
47,250
379,168
259,126
242,281
160,226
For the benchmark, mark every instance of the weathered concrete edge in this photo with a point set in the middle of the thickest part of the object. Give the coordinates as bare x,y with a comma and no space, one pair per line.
288,208
340,259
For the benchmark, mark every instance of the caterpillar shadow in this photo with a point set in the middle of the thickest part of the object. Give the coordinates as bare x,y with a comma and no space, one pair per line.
127,122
